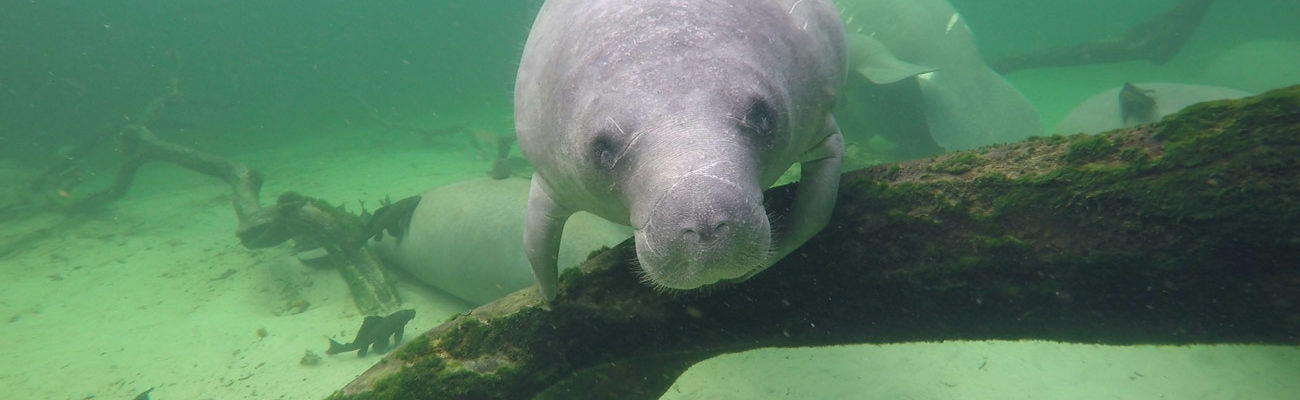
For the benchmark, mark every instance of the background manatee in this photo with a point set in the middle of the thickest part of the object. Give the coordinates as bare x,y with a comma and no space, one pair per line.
1101,112
466,239
1239,66
932,55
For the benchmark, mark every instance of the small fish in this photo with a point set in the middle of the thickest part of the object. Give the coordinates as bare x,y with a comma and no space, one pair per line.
393,218
375,331
1136,105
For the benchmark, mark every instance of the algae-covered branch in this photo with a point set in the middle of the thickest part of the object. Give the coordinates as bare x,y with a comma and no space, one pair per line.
1177,232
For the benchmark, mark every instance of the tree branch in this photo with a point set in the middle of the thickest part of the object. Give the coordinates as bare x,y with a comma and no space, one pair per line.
1177,232
293,216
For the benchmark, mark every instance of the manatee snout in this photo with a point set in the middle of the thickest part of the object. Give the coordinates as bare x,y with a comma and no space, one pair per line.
703,230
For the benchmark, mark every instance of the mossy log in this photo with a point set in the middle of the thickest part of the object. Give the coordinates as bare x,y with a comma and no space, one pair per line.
1179,232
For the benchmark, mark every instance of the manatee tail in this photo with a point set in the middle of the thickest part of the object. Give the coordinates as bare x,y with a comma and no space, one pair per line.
336,347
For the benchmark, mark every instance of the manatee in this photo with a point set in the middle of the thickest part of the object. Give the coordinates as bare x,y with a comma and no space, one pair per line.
1104,111
1257,65
672,117
464,238
917,59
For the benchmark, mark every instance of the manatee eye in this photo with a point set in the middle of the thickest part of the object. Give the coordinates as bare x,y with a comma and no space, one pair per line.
603,152
760,121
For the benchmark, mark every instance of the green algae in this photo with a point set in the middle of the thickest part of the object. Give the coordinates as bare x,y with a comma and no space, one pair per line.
1162,196
1087,148
957,164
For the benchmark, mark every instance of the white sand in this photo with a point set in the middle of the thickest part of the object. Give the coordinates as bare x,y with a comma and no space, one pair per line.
110,304
997,370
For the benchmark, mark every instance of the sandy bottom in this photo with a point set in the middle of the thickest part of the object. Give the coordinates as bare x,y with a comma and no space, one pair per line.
997,370
155,291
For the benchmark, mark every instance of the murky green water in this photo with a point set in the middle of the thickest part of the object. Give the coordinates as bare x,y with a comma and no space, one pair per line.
305,85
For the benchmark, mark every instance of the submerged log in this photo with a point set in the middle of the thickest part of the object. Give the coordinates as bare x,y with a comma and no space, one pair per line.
341,234
1183,231
1156,40
293,216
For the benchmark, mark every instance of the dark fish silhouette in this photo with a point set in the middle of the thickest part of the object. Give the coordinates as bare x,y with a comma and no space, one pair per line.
393,218
1136,105
375,331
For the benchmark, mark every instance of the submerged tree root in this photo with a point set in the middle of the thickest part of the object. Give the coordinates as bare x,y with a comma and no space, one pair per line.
294,215
1177,232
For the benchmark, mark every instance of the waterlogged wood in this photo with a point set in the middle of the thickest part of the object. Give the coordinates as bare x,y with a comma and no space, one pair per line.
1178,232
339,233
293,216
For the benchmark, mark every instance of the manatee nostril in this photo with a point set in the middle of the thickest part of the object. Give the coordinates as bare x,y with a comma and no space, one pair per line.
690,236
704,232
721,228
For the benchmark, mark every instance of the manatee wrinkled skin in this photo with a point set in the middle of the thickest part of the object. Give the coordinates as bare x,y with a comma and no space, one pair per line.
673,117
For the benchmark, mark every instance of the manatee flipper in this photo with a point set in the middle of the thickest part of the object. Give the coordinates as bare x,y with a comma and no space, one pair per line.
543,227
893,111
886,100
970,107
965,104
871,59
819,183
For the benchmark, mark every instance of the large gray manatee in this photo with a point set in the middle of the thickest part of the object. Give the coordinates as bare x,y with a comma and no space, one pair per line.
463,238
947,89
673,117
